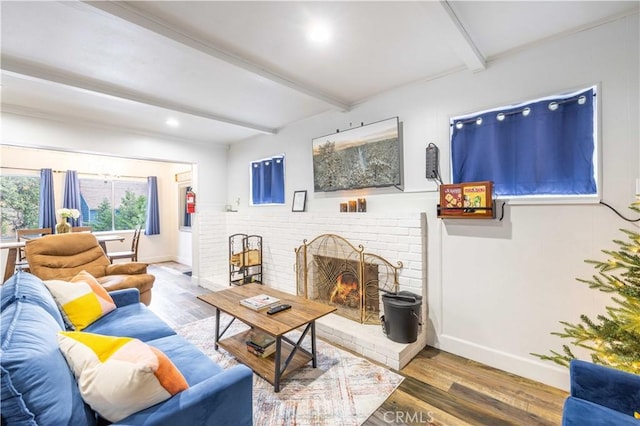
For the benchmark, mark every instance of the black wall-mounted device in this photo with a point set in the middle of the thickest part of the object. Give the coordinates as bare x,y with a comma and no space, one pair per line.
432,162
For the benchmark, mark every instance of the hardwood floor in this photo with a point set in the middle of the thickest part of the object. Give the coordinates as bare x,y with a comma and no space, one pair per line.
439,388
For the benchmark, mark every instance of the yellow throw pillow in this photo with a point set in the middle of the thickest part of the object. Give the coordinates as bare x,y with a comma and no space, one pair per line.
119,376
82,300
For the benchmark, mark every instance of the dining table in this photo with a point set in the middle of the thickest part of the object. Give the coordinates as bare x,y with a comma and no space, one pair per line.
13,246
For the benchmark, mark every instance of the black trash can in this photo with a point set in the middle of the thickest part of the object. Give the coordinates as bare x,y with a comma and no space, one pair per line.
401,317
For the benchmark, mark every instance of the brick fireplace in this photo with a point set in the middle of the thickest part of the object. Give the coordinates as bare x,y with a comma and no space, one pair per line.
397,236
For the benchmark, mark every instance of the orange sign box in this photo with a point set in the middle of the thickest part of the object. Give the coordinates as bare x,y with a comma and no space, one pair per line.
470,199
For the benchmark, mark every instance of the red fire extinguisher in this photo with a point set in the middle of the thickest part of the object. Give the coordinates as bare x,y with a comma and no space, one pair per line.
191,201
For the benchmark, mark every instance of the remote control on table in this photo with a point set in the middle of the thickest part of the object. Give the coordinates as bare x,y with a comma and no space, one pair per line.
278,308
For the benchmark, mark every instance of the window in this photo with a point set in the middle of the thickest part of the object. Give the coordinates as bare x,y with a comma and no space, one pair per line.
543,148
109,205
267,181
19,199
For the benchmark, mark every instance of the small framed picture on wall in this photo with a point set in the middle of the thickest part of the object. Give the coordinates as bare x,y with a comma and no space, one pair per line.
299,201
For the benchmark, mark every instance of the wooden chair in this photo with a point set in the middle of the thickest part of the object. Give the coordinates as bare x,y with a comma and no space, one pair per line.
130,254
81,229
23,234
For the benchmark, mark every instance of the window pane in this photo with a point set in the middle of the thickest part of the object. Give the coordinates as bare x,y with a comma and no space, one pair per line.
95,199
19,198
113,205
267,181
130,202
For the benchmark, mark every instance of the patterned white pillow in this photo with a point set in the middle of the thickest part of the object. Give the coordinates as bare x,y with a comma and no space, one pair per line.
119,376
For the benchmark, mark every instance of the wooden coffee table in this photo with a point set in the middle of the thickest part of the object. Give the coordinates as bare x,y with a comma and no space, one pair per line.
303,313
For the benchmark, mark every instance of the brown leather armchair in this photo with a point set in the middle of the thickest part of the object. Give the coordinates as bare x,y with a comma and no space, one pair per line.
62,256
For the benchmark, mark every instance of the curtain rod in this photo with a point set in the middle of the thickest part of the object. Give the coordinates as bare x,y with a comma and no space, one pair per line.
80,173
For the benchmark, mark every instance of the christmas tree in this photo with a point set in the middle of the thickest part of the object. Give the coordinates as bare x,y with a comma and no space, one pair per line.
614,338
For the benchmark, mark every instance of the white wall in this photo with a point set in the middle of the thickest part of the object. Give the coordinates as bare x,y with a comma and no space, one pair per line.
496,289
208,163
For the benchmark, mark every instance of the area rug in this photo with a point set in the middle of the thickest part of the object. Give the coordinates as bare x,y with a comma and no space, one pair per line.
343,390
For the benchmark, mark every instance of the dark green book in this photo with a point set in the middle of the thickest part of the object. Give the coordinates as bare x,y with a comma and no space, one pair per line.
260,340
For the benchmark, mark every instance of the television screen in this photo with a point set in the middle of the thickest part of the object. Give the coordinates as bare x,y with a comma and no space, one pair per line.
362,157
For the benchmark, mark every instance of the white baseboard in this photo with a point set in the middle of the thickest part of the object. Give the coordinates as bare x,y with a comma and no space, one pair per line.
157,259
541,371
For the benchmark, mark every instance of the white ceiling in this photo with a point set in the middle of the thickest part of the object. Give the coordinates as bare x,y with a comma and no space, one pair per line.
230,70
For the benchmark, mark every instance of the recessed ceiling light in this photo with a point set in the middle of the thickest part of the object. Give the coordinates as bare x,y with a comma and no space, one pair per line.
172,122
319,33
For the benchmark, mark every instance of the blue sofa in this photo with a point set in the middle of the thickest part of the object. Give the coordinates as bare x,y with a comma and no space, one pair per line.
601,396
38,388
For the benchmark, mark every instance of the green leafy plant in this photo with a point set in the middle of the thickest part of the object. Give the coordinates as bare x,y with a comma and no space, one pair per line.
19,197
103,218
132,211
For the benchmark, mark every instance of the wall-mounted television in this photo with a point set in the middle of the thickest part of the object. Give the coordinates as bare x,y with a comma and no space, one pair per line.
361,157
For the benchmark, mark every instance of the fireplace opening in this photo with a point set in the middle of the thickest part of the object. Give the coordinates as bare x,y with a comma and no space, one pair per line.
331,270
346,291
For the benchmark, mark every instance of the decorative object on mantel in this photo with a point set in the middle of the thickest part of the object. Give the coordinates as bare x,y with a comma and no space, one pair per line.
362,205
63,226
469,200
359,205
229,208
299,201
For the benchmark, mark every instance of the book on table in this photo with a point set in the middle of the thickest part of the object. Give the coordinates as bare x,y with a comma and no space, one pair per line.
260,344
260,302
261,353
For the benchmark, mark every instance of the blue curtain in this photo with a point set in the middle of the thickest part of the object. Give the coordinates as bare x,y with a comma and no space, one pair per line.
47,204
543,151
267,181
256,183
277,180
152,226
72,195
